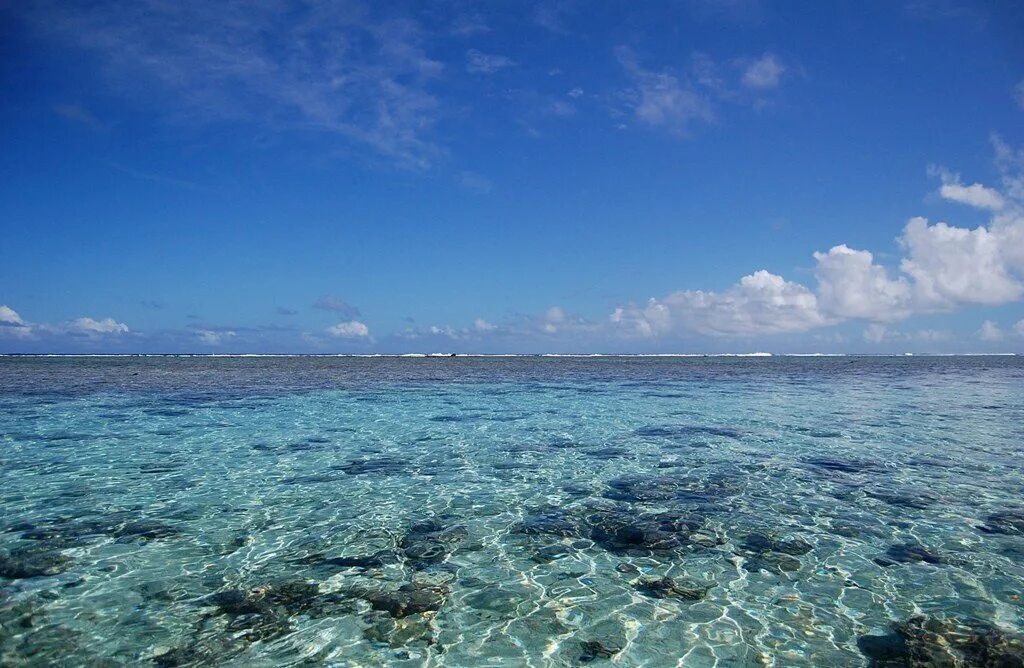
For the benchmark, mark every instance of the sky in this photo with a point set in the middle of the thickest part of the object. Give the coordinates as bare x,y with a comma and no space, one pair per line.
692,176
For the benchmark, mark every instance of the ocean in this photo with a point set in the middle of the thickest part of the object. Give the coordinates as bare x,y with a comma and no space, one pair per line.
511,511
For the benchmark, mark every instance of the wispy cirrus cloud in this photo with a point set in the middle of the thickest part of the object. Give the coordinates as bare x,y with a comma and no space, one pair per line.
76,113
679,100
764,73
340,69
486,63
336,305
663,99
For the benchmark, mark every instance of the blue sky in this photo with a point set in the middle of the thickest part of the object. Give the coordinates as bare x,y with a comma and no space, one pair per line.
687,176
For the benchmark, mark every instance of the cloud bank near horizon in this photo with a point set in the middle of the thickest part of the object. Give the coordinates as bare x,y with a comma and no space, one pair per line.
943,268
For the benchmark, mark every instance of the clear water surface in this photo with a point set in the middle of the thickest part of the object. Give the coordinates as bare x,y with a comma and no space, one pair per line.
776,511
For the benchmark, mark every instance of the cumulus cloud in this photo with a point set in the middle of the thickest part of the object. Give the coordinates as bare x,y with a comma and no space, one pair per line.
12,325
851,285
943,267
975,194
214,337
990,331
353,329
92,327
954,265
764,73
761,303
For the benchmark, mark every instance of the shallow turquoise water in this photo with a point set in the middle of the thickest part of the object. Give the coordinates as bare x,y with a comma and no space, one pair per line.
510,511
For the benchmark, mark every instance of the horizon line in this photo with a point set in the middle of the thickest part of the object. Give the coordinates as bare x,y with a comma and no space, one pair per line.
500,355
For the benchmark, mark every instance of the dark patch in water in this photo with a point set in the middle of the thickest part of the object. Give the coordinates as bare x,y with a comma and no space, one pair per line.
122,526
469,417
380,466
592,650
667,587
908,553
150,469
409,599
621,530
430,542
642,488
916,501
673,431
771,554
313,479
167,412
843,466
1005,522
31,562
362,562
607,453
759,542
922,641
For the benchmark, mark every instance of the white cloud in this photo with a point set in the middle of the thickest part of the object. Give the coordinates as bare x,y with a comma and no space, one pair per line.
944,267
9,316
660,99
761,303
486,63
976,194
654,319
331,67
955,265
1018,328
851,285
93,327
990,332
482,325
764,73
214,337
12,325
353,329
